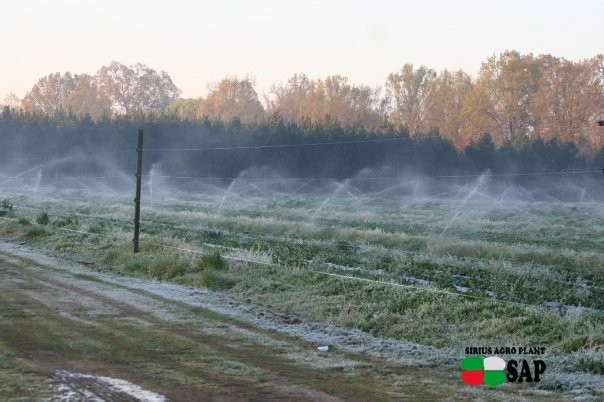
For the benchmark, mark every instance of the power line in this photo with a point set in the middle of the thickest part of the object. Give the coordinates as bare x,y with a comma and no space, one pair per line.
384,178
558,173
24,159
65,158
308,144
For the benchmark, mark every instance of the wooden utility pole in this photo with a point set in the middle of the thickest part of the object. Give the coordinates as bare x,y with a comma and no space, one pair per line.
137,200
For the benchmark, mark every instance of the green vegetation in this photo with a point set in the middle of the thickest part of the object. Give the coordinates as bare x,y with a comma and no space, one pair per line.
43,219
19,379
212,261
6,205
520,94
516,273
6,209
427,153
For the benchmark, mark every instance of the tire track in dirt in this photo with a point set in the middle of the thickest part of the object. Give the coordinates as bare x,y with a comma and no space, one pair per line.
43,299
58,317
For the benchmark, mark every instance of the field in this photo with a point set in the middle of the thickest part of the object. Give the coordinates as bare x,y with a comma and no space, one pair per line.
422,277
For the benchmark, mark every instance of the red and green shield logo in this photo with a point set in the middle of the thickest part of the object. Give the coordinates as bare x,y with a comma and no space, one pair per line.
489,371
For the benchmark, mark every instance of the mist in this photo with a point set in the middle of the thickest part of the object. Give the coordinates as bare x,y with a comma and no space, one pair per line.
103,175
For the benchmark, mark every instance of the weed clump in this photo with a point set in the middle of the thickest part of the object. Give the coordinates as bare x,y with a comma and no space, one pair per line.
210,272
43,219
214,280
211,262
24,220
66,221
34,232
6,208
97,228
166,268
6,205
591,366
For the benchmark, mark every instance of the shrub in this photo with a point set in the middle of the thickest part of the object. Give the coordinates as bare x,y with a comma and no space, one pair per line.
24,220
35,232
346,246
43,219
66,220
97,228
166,268
216,281
6,205
211,262
591,366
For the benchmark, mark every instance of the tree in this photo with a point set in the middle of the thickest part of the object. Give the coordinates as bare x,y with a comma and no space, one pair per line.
407,90
444,105
288,100
482,154
185,109
49,93
233,99
570,100
12,101
333,99
136,88
351,105
86,99
76,94
503,96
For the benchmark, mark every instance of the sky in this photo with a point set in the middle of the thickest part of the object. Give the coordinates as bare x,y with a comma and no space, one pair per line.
201,42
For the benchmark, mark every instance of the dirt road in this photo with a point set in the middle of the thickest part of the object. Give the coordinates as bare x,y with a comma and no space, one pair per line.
70,332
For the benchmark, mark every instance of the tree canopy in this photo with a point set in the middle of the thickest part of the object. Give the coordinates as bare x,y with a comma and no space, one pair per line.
515,98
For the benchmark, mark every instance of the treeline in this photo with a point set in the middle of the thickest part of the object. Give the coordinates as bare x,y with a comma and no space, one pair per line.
33,140
515,98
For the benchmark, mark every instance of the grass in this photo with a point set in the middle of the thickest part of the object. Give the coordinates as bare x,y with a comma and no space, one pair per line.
17,378
43,219
184,352
517,273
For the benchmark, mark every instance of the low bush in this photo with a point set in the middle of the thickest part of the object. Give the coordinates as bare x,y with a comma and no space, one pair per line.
6,205
34,232
211,262
43,219
589,365
66,221
166,268
217,281
97,228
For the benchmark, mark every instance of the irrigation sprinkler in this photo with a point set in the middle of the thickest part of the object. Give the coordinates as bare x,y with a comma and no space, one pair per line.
137,199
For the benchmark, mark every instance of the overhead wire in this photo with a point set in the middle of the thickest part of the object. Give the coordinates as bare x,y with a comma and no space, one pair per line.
384,178
307,144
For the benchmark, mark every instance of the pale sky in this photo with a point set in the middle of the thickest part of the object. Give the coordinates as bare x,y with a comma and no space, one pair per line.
200,42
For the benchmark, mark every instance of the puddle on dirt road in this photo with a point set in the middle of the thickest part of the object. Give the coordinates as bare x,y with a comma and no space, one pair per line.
79,386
